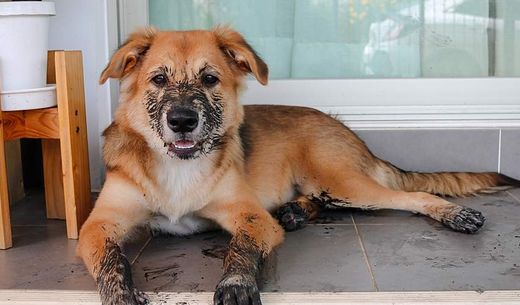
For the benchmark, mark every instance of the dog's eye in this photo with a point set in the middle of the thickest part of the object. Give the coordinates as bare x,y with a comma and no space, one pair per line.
159,80
209,80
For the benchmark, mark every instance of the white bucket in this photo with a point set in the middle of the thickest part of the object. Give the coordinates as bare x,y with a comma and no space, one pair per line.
24,32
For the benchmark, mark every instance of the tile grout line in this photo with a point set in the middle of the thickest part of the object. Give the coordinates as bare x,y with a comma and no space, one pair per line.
514,196
141,250
365,255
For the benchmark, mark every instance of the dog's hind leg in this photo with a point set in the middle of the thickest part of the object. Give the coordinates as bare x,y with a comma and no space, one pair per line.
118,210
295,214
359,191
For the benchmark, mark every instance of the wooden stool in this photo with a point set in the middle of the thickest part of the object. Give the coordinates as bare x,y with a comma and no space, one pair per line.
63,130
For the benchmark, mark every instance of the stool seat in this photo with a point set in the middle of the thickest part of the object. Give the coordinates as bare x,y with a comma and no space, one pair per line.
63,130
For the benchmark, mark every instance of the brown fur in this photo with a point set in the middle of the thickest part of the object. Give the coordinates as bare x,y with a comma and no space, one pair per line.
267,156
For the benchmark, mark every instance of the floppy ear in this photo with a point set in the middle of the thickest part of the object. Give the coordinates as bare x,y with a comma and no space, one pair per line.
128,55
240,52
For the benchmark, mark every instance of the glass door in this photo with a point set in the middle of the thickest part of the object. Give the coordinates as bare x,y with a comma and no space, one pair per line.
375,63
302,39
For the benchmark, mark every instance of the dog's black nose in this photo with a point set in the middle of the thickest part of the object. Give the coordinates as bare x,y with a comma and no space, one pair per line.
182,119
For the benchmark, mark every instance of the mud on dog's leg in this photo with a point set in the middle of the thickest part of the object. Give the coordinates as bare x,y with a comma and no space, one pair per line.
255,234
115,215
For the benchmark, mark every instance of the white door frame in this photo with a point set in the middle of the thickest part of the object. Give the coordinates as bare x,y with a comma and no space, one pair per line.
381,103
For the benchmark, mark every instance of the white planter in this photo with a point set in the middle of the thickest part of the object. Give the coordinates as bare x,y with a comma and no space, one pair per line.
24,31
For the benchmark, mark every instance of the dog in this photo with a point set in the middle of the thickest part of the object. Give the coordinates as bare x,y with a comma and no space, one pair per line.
183,155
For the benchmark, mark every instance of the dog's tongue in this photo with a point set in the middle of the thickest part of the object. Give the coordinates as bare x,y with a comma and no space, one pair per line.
183,144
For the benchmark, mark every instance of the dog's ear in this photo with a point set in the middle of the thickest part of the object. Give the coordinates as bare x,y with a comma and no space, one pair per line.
128,55
241,53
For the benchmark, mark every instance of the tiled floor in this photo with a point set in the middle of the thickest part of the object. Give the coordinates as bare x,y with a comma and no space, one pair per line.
342,251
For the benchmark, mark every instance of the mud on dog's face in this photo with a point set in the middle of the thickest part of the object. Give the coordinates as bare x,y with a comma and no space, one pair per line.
181,87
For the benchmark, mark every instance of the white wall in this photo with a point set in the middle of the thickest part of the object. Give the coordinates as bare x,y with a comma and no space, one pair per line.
84,25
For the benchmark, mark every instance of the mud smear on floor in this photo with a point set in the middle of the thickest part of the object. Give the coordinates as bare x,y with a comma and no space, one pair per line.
499,203
177,255
216,251
515,271
165,275
53,275
327,231
329,217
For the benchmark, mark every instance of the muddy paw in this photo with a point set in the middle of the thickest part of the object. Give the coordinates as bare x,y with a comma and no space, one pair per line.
126,297
140,297
237,290
465,220
292,216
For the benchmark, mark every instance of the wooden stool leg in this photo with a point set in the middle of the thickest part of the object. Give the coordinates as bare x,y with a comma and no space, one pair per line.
53,179
6,240
73,139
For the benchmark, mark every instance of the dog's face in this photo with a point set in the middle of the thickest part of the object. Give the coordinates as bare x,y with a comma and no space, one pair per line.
182,87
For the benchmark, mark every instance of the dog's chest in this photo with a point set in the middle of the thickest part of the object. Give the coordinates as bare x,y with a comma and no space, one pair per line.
182,186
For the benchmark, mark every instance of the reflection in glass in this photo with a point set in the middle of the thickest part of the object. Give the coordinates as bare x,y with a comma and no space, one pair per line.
364,38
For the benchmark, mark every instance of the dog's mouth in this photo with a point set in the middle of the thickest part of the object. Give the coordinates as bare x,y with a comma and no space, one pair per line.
184,149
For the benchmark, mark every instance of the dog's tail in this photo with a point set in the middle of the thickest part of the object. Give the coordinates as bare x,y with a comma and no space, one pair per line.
455,184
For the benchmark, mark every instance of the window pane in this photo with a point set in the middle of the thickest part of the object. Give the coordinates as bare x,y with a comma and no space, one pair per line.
364,38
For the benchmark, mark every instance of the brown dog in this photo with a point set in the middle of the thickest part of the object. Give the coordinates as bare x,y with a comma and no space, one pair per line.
182,153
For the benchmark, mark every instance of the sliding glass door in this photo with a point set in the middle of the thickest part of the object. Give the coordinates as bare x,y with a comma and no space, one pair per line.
373,61
364,38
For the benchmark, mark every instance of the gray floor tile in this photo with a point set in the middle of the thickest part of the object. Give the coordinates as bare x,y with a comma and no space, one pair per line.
515,193
510,153
43,258
431,257
435,150
320,258
181,264
195,263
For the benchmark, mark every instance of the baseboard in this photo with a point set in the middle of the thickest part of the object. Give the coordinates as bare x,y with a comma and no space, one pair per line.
501,297
424,117
427,117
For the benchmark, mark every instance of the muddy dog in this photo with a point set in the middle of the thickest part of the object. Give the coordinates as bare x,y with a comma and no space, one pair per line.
182,154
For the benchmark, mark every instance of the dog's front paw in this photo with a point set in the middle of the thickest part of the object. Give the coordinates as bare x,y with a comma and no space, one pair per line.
292,216
114,279
237,289
140,297
464,220
125,297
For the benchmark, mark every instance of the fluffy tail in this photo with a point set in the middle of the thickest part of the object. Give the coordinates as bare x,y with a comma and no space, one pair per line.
444,183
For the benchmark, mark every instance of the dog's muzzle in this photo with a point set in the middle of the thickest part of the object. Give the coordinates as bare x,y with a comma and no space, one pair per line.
183,121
